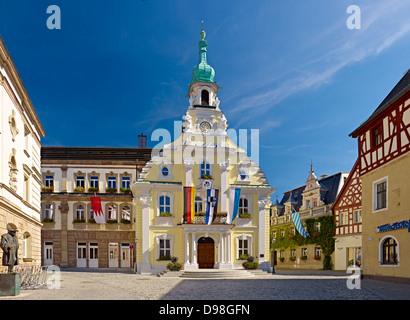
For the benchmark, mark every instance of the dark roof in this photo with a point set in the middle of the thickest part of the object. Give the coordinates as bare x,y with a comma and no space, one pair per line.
95,153
328,192
402,87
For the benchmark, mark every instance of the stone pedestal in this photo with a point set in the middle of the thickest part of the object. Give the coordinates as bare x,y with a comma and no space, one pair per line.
9,284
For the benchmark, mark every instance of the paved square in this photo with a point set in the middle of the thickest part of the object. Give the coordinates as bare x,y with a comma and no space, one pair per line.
283,285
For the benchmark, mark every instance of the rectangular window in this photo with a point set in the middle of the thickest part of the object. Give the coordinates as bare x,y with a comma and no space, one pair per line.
112,182
205,169
164,204
381,195
94,182
292,252
93,250
125,182
48,211
243,247
304,252
81,251
164,247
357,216
377,135
111,213
343,218
79,181
49,181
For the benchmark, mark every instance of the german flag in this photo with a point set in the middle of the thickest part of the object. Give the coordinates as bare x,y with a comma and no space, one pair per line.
189,204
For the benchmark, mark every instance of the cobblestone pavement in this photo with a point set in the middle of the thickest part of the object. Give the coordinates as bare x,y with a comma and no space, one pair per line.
283,285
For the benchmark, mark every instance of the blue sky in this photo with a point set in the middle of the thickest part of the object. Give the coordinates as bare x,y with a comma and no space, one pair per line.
291,69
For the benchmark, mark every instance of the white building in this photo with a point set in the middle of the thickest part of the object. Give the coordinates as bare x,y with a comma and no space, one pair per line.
20,177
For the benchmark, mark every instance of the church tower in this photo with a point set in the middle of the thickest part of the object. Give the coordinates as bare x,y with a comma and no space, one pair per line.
199,172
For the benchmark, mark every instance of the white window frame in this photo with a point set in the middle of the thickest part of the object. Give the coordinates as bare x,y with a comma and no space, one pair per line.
93,181
93,254
164,237
80,181
247,238
249,207
171,202
357,216
49,181
109,214
78,210
125,180
165,177
127,215
112,180
374,193
205,170
48,211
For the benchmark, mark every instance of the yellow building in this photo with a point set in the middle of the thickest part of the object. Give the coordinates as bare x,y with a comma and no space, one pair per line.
313,202
170,224
384,162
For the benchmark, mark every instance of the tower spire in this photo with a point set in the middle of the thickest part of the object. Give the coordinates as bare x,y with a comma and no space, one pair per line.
203,72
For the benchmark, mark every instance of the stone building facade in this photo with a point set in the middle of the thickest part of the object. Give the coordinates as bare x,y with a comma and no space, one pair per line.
20,178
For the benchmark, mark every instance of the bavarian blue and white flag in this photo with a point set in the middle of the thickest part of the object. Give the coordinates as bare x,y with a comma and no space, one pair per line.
211,205
298,224
234,196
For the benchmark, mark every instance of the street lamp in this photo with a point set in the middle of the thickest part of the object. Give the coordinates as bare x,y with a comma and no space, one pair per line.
273,255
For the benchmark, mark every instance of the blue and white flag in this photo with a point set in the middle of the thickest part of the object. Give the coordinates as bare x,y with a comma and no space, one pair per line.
211,205
234,196
298,224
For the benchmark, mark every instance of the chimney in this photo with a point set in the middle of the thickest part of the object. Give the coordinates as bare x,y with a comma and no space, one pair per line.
142,141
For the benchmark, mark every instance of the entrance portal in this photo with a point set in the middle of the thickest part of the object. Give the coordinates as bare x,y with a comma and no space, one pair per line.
206,253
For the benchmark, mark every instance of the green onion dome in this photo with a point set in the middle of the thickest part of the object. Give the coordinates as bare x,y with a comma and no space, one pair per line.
203,72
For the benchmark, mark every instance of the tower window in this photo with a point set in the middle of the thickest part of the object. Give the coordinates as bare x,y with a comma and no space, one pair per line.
204,98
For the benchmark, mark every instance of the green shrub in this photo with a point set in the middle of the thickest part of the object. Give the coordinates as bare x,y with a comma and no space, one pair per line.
250,265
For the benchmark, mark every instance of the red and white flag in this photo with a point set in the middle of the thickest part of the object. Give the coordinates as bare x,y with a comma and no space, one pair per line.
97,209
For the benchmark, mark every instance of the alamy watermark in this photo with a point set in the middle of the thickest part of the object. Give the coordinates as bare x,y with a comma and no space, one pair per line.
354,21
54,20
53,278
216,148
353,281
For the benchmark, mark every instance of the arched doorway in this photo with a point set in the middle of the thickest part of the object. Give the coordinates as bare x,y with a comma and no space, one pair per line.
206,252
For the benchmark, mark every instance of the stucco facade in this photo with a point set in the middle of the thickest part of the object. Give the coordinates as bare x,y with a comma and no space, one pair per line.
20,178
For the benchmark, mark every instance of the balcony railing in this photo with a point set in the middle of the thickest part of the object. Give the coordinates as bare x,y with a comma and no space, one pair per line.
220,219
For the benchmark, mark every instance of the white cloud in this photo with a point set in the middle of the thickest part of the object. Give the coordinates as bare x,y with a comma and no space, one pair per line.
383,24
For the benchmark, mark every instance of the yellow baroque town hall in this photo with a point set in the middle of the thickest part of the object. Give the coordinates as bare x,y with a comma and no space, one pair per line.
171,194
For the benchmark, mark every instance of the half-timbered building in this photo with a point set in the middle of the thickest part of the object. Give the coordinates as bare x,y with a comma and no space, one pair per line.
383,165
347,210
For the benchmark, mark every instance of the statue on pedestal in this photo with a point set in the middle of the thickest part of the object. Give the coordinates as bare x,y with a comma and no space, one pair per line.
10,245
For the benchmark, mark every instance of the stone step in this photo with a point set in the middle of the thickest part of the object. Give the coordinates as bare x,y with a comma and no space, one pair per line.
217,274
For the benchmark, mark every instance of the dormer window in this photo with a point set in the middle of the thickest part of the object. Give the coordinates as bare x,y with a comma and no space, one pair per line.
205,98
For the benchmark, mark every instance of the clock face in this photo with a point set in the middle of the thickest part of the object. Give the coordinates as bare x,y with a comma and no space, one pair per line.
205,126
